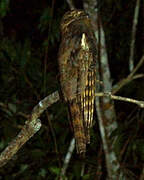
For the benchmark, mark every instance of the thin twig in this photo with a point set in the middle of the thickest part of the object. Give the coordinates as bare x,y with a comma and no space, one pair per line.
129,78
137,76
47,47
135,22
142,174
71,5
119,98
67,158
45,74
82,169
53,136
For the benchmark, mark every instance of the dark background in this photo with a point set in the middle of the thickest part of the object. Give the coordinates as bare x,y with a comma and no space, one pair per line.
29,35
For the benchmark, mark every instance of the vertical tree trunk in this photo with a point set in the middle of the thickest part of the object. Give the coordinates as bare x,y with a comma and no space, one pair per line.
105,106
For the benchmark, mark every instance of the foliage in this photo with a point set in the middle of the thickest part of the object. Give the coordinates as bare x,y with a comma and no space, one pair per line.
4,7
53,25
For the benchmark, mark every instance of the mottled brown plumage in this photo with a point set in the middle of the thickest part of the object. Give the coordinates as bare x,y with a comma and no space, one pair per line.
77,58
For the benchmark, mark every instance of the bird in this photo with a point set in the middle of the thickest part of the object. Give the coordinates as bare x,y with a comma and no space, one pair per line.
77,58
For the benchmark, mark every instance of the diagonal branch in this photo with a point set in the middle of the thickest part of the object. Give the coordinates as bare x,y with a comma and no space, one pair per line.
28,130
32,125
123,82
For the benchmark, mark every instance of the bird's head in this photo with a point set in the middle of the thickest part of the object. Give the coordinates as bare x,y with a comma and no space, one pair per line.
72,16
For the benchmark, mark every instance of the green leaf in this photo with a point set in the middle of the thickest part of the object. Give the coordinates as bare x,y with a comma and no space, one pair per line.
23,167
25,53
12,107
139,148
4,5
55,170
2,144
87,176
42,173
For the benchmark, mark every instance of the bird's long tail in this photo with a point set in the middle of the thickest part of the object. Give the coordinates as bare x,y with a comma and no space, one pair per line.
78,127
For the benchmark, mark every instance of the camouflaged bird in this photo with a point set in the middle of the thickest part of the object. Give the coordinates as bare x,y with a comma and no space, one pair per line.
77,59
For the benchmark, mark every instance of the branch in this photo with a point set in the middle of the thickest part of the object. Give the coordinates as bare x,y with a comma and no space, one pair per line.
129,78
106,114
135,22
32,125
119,98
142,174
67,158
28,130
71,5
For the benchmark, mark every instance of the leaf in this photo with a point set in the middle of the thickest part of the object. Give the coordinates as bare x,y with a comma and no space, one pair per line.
25,56
87,176
4,5
23,167
12,107
139,148
55,170
42,173
2,144
45,19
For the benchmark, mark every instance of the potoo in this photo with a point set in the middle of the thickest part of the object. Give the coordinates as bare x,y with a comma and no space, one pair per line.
77,59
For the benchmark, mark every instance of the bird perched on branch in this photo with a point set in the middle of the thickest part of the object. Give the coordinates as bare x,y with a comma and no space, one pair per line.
77,60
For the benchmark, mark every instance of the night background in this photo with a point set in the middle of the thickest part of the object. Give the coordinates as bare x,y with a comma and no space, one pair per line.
29,43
